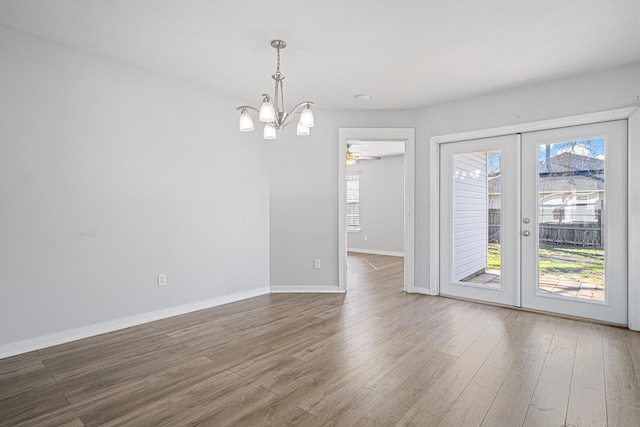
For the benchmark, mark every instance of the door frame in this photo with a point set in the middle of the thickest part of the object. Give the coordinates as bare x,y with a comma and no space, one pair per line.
390,134
632,114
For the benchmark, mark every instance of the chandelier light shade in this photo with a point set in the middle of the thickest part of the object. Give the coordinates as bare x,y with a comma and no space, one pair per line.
246,123
272,111
306,117
302,130
267,112
269,132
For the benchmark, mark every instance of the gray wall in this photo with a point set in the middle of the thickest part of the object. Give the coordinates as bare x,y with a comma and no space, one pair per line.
109,176
304,197
381,206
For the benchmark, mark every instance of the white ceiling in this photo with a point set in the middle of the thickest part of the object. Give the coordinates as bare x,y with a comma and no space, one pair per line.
404,53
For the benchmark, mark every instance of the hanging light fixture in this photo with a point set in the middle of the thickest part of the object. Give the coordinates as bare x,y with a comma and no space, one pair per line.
272,111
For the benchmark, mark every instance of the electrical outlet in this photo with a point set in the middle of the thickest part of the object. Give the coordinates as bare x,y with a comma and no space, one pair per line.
366,237
316,263
162,279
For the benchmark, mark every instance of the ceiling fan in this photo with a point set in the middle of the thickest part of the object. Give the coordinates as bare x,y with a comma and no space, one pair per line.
353,157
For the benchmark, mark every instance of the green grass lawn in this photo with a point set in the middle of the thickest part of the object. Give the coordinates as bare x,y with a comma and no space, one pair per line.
563,261
494,256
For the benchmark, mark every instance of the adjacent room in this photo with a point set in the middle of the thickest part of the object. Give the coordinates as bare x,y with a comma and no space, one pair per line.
434,219
375,185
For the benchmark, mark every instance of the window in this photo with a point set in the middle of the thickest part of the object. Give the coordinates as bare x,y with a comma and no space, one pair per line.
581,200
353,201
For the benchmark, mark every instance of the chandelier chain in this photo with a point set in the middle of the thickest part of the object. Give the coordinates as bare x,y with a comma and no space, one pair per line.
279,93
278,66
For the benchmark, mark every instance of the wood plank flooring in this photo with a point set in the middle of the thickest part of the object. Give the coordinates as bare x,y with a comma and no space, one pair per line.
373,357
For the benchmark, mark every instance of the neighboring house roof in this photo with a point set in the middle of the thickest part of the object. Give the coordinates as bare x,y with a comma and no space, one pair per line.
565,172
578,183
565,162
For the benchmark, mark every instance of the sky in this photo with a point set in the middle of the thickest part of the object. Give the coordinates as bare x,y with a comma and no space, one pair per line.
590,148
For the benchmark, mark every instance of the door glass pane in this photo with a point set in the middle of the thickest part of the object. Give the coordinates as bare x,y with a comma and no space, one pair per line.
571,202
476,218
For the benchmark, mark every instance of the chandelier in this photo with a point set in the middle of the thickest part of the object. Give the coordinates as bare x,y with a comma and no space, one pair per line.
272,111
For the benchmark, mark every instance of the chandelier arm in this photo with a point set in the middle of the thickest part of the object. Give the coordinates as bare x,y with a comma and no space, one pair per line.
247,106
281,96
275,96
303,103
289,118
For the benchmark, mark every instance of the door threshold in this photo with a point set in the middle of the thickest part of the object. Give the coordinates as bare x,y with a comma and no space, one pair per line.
547,313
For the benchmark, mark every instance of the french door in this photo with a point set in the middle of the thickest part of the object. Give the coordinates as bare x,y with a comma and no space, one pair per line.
538,220
479,202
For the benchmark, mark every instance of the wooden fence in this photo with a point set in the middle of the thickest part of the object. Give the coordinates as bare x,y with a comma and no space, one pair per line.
567,234
576,234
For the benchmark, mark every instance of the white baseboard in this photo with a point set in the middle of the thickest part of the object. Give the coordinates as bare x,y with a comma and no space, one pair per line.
425,291
38,343
306,289
375,252
419,290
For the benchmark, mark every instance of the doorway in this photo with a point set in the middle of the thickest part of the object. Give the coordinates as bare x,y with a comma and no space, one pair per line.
538,220
349,136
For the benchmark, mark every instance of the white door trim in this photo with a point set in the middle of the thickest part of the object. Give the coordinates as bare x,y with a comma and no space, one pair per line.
633,179
583,119
633,218
395,134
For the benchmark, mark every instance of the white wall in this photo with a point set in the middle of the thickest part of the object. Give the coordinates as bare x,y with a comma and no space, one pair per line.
304,198
381,206
607,90
109,176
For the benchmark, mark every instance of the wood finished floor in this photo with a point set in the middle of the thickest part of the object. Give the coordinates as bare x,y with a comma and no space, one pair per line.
375,356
